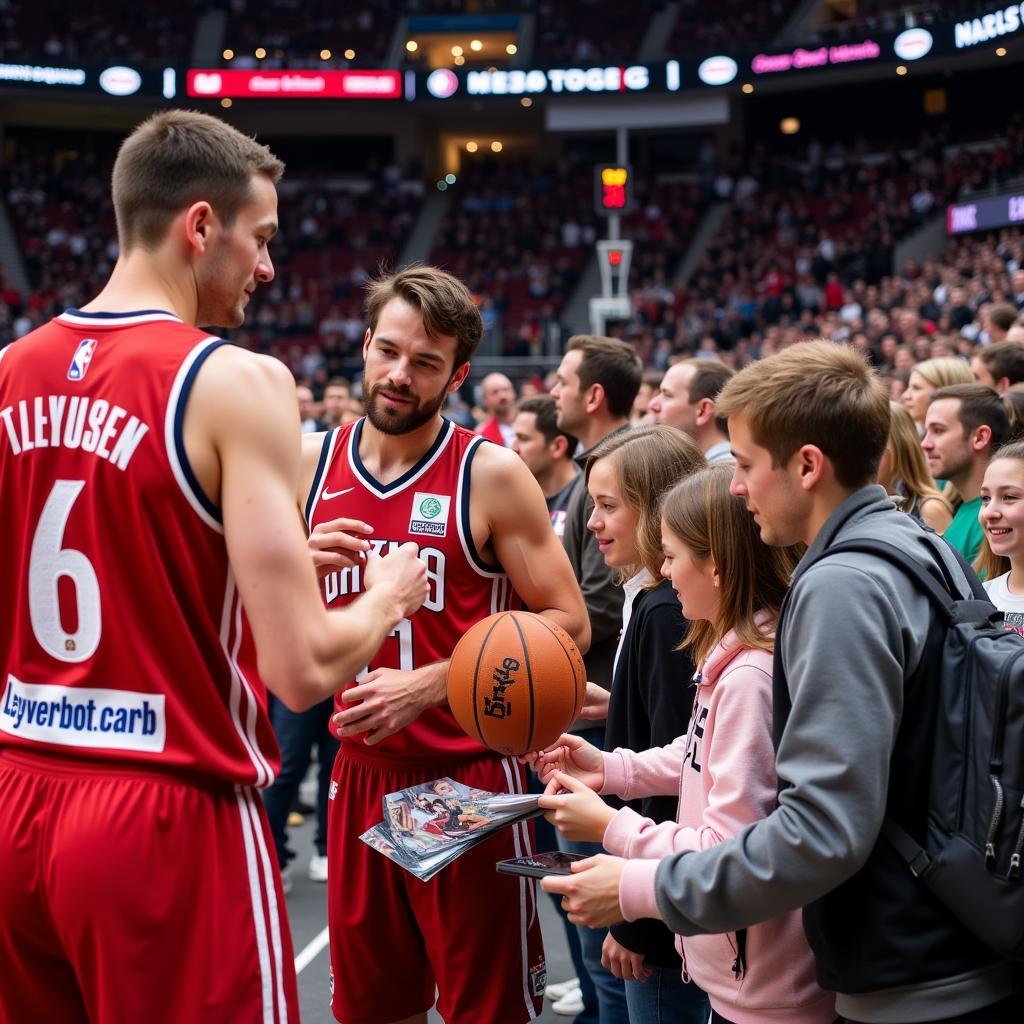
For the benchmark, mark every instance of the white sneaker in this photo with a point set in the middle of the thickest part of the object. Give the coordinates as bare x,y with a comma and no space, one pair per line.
561,988
318,868
286,879
570,1004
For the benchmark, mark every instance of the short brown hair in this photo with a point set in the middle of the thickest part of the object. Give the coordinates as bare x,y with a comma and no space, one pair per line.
648,461
814,392
753,577
611,363
1004,359
980,406
179,157
546,413
708,380
1002,315
444,302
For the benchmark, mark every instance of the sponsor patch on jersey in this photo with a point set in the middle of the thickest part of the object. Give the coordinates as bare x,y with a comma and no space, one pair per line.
82,358
74,716
430,514
538,978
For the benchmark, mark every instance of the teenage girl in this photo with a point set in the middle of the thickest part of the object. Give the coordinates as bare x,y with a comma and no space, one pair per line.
730,585
627,477
1001,560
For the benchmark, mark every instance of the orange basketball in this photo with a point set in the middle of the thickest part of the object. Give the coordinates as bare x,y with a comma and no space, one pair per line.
516,682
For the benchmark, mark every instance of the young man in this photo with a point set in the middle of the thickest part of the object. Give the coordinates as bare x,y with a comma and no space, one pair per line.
597,382
405,473
147,476
337,395
685,399
855,718
499,401
999,366
963,427
548,454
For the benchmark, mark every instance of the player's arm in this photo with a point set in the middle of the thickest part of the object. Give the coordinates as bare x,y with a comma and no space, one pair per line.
509,507
243,407
338,543
523,542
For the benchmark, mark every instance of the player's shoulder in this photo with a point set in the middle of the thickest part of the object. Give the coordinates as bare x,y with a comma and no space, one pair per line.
247,374
493,460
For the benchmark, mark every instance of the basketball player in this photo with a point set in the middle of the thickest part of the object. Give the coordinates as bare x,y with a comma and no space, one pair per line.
147,477
483,531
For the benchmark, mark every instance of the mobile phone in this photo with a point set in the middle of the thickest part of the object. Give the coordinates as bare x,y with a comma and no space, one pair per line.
540,864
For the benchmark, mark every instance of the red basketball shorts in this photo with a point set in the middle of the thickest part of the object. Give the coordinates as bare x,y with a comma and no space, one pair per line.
131,896
470,931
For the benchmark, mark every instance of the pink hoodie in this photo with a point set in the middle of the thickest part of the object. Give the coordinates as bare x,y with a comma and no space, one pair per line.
724,772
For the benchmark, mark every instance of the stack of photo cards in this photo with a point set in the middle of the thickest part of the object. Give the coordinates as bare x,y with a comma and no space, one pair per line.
426,827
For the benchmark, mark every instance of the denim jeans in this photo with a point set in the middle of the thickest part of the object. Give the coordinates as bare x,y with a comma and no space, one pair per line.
297,734
664,998
611,993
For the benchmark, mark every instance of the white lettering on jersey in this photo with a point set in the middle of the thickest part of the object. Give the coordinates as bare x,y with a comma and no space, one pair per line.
57,421
349,581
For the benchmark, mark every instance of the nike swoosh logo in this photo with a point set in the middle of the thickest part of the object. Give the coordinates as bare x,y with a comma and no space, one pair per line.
326,495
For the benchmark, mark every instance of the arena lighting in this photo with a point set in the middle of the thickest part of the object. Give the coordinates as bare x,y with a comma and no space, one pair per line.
747,88
526,101
458,61
516,82
213,83
476,45
325,54
496,147
350,54
456,51
901,70
801,59
225,103
789,125
974,31
260,53
511,49
913,44
450,178
120,81
1001,51
412,46
471,147
228,54
613,189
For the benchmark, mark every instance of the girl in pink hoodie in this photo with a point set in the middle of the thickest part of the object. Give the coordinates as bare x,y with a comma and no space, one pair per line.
730,585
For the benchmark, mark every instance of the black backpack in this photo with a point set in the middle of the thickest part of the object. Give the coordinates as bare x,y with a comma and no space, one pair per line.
972,856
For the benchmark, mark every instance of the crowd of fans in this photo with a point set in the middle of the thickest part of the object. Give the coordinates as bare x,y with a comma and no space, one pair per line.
116,32
804,236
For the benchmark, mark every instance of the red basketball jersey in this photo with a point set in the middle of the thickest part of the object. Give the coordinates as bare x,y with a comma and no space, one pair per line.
428,505
122,635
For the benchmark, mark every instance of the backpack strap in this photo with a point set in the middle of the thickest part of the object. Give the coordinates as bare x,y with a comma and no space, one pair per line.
939,595
916,859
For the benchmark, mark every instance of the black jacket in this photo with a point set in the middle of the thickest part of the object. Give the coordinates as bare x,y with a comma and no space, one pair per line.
652,695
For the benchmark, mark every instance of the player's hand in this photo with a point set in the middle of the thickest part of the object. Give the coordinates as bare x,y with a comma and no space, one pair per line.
338,545
574,756
381,703
623,963
590,895
579,814
595,703
404,572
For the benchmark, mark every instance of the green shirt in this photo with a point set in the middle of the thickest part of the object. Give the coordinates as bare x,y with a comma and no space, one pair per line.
965,532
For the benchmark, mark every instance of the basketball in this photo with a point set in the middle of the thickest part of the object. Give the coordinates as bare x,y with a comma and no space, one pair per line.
516,682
